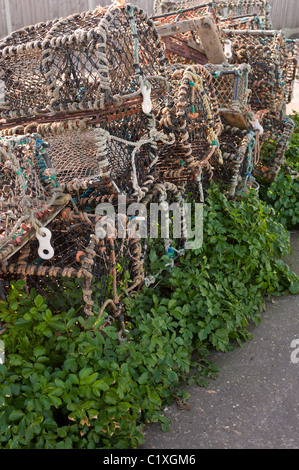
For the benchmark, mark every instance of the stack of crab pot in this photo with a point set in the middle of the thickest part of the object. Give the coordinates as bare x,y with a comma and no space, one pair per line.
253,69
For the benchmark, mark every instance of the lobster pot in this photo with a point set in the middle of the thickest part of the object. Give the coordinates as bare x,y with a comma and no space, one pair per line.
88,159
29,194
90,268
239,157
184,46
274,143
190,113
231,88
266,54
254,9
292,49
22,84
80,63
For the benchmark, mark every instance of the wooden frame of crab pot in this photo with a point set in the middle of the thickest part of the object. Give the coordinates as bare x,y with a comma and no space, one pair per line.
206,30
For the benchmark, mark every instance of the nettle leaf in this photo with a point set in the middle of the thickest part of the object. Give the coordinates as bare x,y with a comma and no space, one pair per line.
13,305
84,373
143,378
38,301
39,351
100,385
15,360
20,284
16,415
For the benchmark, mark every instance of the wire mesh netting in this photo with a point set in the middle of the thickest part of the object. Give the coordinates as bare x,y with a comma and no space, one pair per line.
257,11
162,7
247,14
167,230
118,155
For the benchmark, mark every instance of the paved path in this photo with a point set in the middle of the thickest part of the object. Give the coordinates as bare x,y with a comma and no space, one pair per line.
254,402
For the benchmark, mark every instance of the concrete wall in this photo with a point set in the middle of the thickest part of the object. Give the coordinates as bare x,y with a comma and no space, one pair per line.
14,14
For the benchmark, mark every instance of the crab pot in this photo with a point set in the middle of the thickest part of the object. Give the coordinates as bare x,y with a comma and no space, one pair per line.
87,271
21,79
266,54
116,154
274,143
231,88
29,193
83,62
190,114
253,8
239,158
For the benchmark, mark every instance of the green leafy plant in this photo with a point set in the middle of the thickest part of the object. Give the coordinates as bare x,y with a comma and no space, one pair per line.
68,382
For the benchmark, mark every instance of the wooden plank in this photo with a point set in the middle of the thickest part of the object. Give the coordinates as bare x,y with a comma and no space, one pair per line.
210,41
179,27
183,50
207,32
